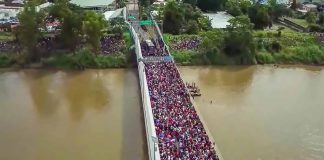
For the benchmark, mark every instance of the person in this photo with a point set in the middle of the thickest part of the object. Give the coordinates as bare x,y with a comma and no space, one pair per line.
174,116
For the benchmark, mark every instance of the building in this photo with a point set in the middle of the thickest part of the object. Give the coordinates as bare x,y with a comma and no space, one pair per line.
114,14
96,5
219,19
310,7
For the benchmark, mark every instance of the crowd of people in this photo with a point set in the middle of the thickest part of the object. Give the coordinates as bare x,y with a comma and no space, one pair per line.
193,89
112,44
8,46
48,43
181,134
109,44
155,48
185,43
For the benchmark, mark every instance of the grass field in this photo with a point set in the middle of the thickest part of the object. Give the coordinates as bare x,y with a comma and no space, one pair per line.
301,22
276,26
6,36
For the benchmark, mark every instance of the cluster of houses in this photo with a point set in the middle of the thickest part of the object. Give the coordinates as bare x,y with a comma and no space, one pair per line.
304,6
10,10
311,6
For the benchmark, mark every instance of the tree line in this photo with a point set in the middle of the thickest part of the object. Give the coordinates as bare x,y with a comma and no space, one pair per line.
75,25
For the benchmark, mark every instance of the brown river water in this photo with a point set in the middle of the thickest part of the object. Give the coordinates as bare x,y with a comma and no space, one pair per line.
56,115
253,113
262,113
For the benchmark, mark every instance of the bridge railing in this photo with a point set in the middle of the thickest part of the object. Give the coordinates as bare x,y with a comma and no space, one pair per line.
160,34
137,43
152,140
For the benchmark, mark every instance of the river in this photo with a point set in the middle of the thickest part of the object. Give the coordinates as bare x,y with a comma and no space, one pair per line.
262,113
253,113
66,115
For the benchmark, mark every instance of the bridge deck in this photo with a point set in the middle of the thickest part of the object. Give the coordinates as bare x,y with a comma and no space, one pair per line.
178,130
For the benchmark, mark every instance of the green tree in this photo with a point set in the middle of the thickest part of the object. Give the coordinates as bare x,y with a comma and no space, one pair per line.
28,32
233,8
117,26
70,17
294,5
245,5
315,28
192,14
71,31
144,3
189,12
321,19
238,41
211,40
93,26
204,23
310,17
279,31
210,5
192,27
277,10
259,15
193,3
238,7
173,18
179,17
210,46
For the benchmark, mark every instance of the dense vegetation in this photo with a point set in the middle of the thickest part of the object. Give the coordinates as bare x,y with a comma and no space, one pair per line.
246,40
181,18
85,59
235,45
289,48
77,40
270,47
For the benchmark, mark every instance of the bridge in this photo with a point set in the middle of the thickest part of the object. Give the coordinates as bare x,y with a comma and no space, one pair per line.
174,127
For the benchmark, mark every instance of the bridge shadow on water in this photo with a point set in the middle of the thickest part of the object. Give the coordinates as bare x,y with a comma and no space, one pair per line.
47,89
134,135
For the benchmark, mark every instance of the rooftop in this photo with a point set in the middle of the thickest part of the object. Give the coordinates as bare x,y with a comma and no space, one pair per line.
113,14
219,19
93,3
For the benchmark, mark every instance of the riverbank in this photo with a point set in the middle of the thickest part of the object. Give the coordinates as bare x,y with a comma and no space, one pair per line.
115,53
271,47
79,60
290,48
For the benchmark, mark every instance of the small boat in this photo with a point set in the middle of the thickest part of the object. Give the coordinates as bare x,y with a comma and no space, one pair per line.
195,94
193,89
